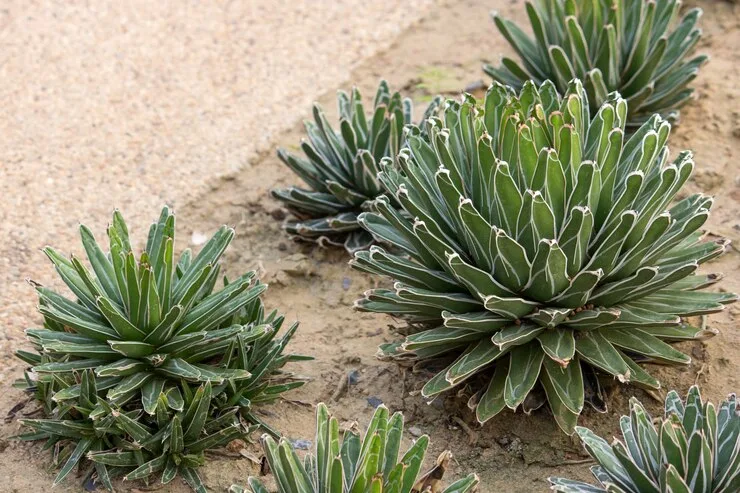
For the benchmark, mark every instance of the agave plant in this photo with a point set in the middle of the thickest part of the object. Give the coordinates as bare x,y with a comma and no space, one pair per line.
634,47
173,443
354,464
144,325
147,343
340,167
693,448
541,252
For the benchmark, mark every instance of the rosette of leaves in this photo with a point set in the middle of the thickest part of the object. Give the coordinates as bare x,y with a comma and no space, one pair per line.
635,47
143,325
160,342
693,448
354,463
72,430
544,251
340,167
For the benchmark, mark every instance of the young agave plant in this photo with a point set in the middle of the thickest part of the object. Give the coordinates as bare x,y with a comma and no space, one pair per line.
126,442
634,47
541,252
693,448
144,325
340,167
147,343
354,464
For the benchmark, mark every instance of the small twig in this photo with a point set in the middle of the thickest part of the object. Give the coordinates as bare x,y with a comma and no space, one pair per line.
573,462
472,436
16,409
298,403
341,388
700,373
222,453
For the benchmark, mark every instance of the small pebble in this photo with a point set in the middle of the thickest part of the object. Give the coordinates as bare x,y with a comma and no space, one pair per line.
353,377
301,444
478,85
198,239
415,431
374,402
346,283
90,485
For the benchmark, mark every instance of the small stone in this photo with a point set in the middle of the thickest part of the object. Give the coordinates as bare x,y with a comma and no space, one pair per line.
296,265
278,214
478,85
515,448
236,445
346,283
301,444
353,377
374,402
699,353
415,431
197,239
90,484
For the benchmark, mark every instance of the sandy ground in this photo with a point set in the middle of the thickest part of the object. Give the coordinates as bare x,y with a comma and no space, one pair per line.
132,104
441,53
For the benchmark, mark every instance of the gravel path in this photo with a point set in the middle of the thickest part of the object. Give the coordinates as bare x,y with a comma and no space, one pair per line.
134,104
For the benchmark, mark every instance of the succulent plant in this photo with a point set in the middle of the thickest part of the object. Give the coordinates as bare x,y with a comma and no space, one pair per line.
541,253
142,325
149,348
340,167
172,443
355,464
694,448
633,47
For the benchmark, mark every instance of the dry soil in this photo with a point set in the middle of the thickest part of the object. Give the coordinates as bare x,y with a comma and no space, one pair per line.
514,453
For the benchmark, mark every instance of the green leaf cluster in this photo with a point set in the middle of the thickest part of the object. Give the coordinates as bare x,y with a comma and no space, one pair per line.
149,365
635,47
340,166
372,463
693,448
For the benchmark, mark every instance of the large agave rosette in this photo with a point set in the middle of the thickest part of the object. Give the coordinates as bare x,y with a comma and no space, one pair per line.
538,250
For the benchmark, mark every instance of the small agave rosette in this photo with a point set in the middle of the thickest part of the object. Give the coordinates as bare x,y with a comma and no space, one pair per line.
636,47
694,447
340,167
368,463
